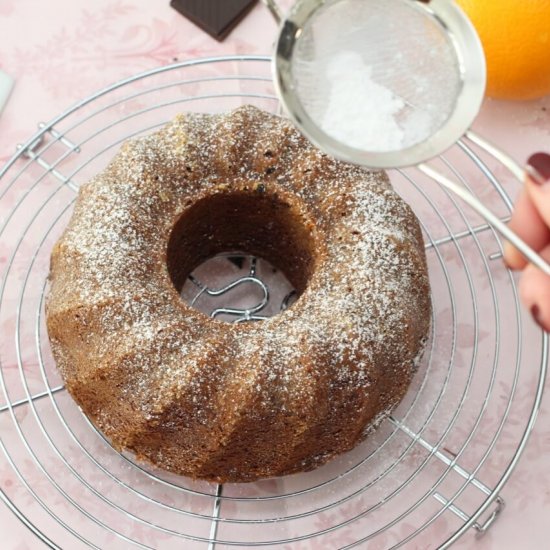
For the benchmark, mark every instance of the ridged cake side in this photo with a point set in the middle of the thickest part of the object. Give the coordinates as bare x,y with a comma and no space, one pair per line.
237,402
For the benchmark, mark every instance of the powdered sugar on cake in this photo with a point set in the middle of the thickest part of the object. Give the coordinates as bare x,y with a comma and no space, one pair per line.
350,328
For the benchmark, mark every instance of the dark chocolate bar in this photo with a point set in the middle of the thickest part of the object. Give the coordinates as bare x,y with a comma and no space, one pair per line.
217,17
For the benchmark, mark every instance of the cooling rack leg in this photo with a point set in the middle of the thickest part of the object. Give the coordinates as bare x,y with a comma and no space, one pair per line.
484,527
215,517
481,528
34,151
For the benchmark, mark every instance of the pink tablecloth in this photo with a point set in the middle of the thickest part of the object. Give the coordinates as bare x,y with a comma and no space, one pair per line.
61,50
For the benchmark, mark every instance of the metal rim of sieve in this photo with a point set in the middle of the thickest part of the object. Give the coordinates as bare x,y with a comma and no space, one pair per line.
471,60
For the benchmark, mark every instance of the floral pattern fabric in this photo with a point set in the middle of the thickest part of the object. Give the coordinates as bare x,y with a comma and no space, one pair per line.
60,51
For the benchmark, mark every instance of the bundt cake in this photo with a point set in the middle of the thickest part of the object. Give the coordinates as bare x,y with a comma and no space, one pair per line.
236,402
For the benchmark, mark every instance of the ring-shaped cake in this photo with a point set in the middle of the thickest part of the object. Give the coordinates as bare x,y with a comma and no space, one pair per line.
237,402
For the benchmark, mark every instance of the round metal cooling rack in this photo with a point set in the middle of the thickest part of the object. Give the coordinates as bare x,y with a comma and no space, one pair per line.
431,473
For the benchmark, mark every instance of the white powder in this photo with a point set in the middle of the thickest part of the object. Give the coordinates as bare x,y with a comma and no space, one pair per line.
365,114
361,113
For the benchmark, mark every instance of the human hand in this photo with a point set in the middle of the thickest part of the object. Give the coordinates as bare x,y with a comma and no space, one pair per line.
531,221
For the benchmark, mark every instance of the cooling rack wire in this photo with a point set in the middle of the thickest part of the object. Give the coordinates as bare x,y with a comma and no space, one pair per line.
433,472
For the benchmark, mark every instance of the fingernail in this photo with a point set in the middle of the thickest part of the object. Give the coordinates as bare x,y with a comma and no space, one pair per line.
538,168
535,312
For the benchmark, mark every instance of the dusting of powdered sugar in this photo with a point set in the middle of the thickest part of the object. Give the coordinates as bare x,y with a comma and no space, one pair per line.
359,320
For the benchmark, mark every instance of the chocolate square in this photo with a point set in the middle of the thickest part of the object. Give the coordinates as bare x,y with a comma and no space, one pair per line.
217,17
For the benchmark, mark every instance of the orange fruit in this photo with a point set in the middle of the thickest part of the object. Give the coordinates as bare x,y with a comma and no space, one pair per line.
516,39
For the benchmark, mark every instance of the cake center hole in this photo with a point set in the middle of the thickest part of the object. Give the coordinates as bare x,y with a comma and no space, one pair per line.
236,287
241,256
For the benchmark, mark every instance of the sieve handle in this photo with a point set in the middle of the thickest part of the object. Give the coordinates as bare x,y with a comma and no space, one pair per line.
483,211
274,9
499,154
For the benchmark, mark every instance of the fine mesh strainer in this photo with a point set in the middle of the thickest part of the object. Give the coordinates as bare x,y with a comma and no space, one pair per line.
434,472
387,84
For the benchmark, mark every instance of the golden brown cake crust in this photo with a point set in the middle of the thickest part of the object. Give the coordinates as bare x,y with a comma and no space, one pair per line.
237,402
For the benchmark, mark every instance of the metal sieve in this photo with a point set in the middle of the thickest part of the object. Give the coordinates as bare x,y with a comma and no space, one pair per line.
387,84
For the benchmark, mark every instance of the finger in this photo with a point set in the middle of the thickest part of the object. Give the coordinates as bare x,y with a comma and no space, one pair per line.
538,184
528,224
534,289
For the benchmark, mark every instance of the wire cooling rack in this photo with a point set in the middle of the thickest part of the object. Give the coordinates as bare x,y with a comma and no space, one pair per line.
431,473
